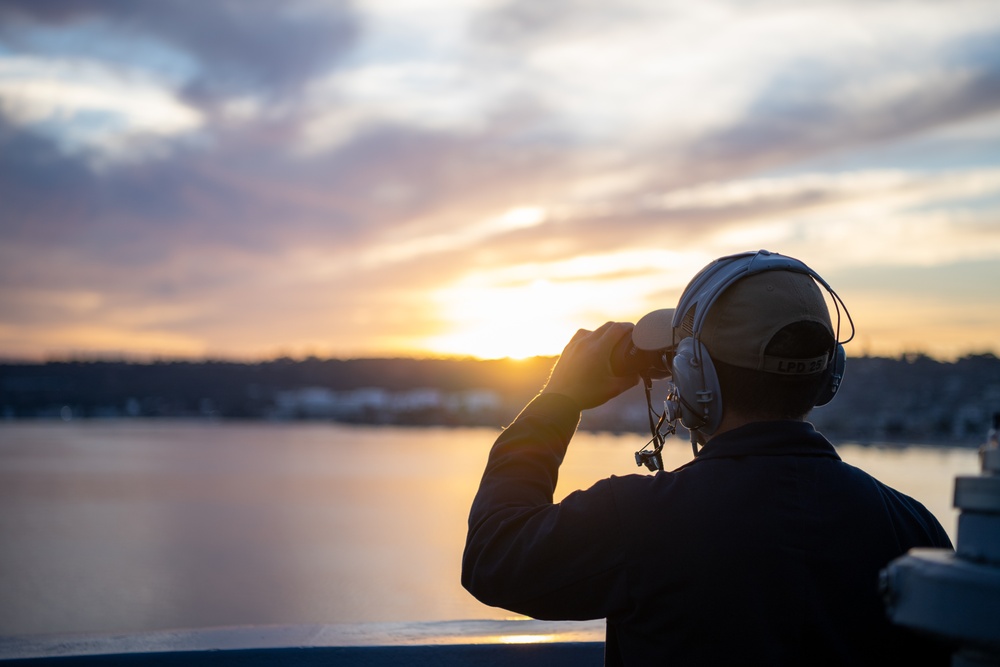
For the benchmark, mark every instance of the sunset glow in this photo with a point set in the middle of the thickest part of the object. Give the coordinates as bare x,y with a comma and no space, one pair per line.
480,178
526,639
515,321
527,310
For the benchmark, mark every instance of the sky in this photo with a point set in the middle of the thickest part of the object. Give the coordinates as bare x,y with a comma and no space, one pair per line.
248,179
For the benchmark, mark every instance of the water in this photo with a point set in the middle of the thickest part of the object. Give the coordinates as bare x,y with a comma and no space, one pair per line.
135,525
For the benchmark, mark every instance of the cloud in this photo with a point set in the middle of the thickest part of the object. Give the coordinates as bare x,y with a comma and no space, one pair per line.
115,113
240,45
522,23
125,82
780,131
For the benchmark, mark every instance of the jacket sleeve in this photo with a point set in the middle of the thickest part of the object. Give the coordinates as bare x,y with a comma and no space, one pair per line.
528,555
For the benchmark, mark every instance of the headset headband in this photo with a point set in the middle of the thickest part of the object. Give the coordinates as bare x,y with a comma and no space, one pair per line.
706,287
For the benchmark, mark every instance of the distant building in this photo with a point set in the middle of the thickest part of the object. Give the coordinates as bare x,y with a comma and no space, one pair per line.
372,404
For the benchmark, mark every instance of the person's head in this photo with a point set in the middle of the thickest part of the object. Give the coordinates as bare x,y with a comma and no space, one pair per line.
751,340
770,338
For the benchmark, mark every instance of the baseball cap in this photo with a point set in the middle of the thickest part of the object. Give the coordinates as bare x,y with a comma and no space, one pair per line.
744,319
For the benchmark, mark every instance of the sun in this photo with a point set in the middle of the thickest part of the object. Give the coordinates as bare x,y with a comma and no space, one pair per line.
534,309
513,322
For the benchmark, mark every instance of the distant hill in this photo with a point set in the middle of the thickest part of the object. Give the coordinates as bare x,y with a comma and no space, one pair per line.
913,398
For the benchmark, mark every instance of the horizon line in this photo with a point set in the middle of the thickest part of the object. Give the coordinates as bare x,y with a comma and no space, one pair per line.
907,355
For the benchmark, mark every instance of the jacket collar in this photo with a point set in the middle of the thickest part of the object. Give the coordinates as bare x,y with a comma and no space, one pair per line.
771,438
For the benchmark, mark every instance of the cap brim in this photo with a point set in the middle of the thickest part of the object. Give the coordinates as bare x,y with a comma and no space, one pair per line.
655,330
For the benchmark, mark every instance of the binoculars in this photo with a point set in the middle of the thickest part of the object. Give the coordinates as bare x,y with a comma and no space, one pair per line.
648,350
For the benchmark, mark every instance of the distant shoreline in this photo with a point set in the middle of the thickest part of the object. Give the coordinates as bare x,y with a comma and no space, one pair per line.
882,403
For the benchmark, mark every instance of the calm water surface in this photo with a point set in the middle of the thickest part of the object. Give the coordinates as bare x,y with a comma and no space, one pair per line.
137,525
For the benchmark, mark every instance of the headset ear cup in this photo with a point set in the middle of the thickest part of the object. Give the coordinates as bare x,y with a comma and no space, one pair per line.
698,387
686,378
834,376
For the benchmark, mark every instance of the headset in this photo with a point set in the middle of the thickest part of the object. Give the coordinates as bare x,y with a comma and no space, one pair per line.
699,398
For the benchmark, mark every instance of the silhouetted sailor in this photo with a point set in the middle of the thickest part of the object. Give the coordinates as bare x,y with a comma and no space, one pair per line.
765,549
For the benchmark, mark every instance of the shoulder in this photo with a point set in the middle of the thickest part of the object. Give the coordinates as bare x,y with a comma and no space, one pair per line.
915,524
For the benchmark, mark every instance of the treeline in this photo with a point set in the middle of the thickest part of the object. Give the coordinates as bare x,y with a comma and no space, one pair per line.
235,390
913,398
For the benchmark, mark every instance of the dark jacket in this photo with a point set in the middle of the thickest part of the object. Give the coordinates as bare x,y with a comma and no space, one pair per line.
765,549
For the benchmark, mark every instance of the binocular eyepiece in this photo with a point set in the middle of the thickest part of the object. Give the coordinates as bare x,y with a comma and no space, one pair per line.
648,350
